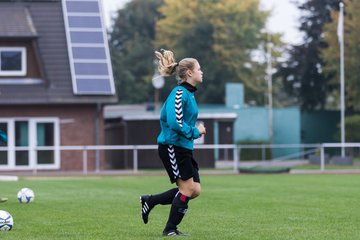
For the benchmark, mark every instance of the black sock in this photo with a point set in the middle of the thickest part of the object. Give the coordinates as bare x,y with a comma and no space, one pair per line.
164,198
178,209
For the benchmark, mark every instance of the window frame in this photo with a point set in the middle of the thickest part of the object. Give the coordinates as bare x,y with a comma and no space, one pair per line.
23,70
32,147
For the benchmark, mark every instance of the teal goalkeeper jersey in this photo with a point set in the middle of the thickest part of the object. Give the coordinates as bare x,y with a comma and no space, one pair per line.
178,117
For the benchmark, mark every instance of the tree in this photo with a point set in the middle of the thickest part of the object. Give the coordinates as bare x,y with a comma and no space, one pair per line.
331,56
302,74
132,50
223,36
352,124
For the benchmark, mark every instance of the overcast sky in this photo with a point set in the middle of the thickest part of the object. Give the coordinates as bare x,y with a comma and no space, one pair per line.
284,18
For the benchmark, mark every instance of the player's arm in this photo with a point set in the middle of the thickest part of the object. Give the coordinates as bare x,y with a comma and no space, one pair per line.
176,119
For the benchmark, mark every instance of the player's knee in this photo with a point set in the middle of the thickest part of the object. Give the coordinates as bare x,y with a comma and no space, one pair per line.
196,192
192,189
188,190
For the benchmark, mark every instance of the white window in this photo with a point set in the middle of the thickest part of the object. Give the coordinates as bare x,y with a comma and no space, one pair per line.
32,143
12,61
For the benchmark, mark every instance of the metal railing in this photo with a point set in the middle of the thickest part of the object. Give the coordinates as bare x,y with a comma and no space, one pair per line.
334,145
137,148
304,150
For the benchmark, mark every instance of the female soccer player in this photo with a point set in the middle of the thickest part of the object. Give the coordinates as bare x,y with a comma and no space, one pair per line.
176,141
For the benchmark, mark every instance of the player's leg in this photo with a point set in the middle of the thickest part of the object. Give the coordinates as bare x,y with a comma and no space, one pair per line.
163,198
197,191
196,177
148,202
179,206
3,199
189,188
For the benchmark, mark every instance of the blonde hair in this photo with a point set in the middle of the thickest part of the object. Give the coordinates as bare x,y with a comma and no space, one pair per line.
168,66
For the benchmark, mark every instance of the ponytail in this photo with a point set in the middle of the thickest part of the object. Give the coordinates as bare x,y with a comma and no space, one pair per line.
167,65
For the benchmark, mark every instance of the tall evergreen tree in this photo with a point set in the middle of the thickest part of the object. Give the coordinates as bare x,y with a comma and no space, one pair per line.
131,46
331,56
302,73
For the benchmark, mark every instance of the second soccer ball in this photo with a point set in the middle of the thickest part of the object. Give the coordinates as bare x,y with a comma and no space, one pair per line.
26,195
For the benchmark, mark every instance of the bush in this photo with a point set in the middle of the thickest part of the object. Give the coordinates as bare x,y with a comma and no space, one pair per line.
255,154
352,128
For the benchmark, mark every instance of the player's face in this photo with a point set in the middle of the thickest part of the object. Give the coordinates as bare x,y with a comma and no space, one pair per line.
196,74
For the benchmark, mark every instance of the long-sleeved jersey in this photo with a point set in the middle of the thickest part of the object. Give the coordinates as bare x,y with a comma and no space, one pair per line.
178,117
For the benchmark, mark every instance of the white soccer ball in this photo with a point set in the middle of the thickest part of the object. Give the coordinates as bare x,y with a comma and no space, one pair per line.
26,195
6,221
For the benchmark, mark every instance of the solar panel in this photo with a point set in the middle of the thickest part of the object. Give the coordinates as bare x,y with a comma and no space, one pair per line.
89,55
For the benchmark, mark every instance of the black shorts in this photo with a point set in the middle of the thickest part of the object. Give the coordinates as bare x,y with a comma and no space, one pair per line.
179,163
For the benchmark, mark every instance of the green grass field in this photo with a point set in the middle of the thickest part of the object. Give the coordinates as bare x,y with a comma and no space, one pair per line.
230,207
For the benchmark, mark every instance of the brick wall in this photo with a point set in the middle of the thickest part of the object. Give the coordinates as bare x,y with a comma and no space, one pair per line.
77,127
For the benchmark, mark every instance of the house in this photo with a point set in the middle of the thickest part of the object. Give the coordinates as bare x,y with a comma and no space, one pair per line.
139,125
288,125
55,78
232,123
